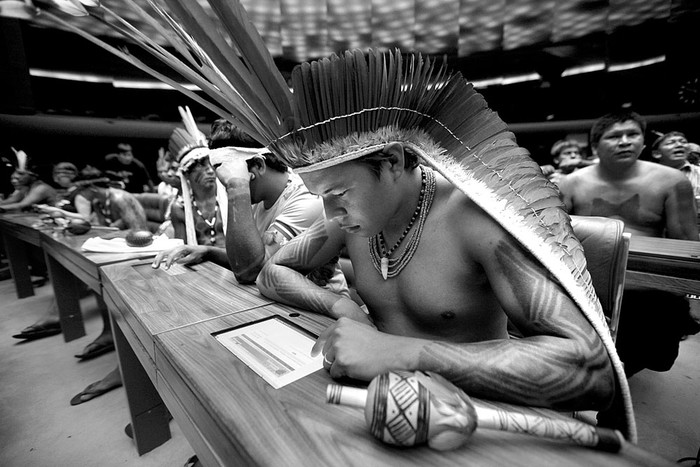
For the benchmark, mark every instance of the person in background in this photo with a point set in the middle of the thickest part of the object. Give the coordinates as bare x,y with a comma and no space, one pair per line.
672,150
270,206
566,157
64,175
694,153
169,187
6,170
167,168
654,201
28,188
98,203
124,167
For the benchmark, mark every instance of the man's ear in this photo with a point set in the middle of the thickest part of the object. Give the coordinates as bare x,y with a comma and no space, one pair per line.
396,161
257,165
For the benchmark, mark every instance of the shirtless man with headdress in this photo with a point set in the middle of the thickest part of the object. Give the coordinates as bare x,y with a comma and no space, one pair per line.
441,221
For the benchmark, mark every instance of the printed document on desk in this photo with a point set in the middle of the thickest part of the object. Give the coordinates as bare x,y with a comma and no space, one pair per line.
276,350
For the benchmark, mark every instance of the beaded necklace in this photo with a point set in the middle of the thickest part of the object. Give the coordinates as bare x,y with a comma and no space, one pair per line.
106,210
211,223
391,267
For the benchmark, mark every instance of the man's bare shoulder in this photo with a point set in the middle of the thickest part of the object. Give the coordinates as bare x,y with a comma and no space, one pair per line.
661,172
582,175
459,212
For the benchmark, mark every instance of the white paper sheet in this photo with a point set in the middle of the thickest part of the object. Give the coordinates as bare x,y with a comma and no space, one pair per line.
118,245
275,350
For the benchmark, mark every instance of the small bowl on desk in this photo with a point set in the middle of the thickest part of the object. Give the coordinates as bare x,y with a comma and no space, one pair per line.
139,238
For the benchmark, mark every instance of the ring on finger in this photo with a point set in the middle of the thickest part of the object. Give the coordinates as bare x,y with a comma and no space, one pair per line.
325,360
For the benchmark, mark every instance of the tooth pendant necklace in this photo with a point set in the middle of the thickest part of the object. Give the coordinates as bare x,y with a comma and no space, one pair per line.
381,257
211,223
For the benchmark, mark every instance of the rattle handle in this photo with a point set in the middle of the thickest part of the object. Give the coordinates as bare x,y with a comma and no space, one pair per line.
346,395
573,430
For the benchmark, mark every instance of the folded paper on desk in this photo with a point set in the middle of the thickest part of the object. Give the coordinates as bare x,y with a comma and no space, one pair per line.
118,245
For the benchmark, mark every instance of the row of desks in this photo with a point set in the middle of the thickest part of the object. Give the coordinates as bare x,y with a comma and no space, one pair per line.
163,325
69,267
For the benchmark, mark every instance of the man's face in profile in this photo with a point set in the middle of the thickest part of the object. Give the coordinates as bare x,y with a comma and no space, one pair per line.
21,178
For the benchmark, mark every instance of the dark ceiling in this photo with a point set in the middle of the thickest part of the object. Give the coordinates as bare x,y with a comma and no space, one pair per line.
485,40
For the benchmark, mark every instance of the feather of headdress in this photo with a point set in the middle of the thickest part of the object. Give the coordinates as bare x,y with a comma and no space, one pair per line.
240,81
22,160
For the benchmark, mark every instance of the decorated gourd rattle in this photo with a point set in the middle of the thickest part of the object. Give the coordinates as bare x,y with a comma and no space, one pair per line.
411,408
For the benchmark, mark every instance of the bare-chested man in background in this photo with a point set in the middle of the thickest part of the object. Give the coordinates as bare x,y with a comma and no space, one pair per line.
653,201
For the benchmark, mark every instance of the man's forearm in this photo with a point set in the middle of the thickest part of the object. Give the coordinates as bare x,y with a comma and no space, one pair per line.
244,246
539,371
288,286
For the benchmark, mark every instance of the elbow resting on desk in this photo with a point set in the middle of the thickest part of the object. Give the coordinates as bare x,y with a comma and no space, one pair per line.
246,274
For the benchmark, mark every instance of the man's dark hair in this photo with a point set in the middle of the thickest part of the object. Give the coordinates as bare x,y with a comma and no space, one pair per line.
374,160
225,133
606,121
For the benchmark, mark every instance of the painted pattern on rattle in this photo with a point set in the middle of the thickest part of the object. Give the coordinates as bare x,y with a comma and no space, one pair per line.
412,408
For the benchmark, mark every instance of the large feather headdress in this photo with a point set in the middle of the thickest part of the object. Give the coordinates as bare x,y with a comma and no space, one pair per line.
346,106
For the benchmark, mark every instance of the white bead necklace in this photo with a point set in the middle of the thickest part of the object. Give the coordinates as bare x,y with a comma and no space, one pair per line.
211,223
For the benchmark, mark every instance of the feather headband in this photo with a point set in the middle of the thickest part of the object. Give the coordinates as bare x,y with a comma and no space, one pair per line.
23,162
346,106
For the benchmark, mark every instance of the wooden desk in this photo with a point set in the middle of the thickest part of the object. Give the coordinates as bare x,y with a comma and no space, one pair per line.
664,263
69,266
231,416
17,231
144,303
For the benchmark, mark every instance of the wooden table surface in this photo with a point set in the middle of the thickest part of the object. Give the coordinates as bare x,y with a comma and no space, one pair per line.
231,416
664,263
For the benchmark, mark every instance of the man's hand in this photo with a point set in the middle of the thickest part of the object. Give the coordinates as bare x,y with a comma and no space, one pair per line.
50,210
230,163
547,169
569,165
163,162
358,350
184,254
